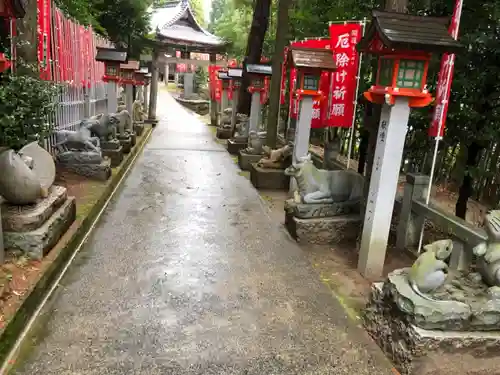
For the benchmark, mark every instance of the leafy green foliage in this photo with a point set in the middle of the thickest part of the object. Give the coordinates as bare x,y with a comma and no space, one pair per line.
26,102
124,22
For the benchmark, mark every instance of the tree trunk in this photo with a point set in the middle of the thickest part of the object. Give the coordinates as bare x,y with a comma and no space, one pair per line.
255,42
274,95
465,191
27,41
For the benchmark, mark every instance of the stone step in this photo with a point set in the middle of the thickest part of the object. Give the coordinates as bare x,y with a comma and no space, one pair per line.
100,172
38,242
30,217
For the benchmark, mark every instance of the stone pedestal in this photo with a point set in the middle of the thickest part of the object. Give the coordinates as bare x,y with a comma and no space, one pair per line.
245,160
114,151
98,171
138,128
323,230
266,178
35,229
424,351
126,142
235,145
222,133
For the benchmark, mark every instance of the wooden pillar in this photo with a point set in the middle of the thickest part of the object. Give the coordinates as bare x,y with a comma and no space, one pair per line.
213,102
154,88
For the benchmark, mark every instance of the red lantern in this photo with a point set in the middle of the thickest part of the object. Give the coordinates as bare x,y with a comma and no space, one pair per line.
4,63
111,71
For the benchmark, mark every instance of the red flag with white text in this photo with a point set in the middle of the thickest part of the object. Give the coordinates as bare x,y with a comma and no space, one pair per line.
445,78
344,38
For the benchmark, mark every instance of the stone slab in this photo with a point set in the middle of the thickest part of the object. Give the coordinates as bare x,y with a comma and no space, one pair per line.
234,147
38,242
270,179
111,145
222,133
323,231
138,128
30,217
306,211
126,143
418,351
100,172
245,160
115,156
200,106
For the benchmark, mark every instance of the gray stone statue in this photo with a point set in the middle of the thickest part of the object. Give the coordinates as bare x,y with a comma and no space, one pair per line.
429,271
80,140
103,126
488,253
242,123
123,122
276,159
255,143
320,186
26,176
138,114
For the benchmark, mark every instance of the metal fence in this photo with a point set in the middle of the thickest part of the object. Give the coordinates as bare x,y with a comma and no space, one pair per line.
76,101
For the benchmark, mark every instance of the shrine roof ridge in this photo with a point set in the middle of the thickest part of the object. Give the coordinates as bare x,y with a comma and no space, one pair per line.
263,69
105,54
405,32
316,58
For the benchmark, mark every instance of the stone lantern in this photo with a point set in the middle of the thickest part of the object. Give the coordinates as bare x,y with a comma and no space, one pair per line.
112,58
127,78
235,74
223,76
404,45
257,73
309,63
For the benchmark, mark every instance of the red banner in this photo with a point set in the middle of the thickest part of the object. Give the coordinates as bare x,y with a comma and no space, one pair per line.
215,83
264,96
344,38
283,77
44,27
445,78
180,68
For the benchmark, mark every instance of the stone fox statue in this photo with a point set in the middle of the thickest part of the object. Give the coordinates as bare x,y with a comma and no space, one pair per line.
430,270
488,253
324,186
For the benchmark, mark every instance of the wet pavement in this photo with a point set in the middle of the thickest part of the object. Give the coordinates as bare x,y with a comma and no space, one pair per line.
186,274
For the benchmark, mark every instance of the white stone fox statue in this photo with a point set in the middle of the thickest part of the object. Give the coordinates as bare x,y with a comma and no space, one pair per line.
323,186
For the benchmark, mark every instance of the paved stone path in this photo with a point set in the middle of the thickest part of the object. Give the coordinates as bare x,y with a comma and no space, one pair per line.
186,274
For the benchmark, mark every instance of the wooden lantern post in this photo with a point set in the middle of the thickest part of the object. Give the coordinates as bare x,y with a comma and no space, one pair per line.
257,73
127,74
309,63
400,84
222,74
112,59
235,74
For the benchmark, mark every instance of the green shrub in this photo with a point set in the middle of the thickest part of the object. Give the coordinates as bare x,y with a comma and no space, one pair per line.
27,103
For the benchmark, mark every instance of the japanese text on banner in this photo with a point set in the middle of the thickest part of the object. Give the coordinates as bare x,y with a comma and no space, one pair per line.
343,90
445,78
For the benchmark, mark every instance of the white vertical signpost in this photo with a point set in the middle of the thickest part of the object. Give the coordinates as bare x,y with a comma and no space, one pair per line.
400,85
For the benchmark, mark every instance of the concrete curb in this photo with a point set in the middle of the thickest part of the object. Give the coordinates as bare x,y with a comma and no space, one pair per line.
30,304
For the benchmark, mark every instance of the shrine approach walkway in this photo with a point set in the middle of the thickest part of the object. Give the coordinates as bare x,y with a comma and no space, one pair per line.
187,275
